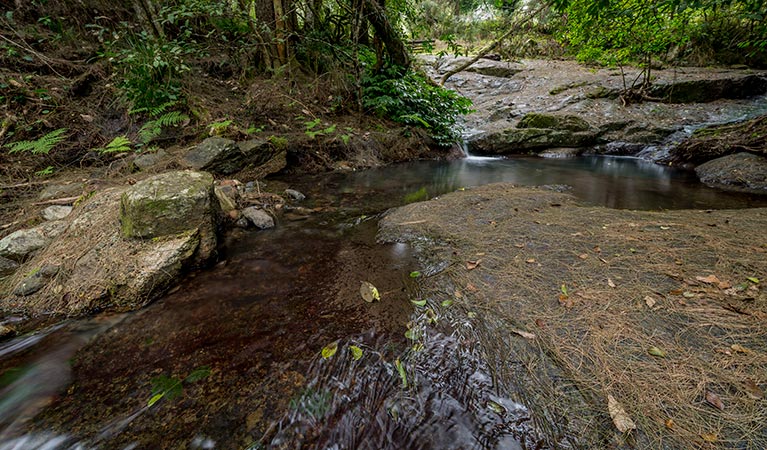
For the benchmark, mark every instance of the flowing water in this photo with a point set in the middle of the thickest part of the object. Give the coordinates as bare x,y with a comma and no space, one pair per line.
230,359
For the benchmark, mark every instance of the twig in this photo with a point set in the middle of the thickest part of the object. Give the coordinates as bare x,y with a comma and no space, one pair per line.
30,183
58,201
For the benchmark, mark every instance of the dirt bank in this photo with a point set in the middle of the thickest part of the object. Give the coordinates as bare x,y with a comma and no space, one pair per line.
662,311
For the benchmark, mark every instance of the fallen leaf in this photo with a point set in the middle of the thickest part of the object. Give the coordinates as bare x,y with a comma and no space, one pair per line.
415,274
709,437
664,228
583,256
714,400
369,292
540,323
737,348
597,249
610,283
329,350
356,352
530,261
655,351
670,424
688,295
473,264
411,334
418,302
711,279
675,292
447,303
724,285
753,390
524,334
620,418
649,301
566,301
458,294
471,315
402,373
497,408
753,280
519,245
471,287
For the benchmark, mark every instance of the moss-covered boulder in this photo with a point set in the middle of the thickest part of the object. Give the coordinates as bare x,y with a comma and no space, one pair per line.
554,121
529,140
170,204
702,91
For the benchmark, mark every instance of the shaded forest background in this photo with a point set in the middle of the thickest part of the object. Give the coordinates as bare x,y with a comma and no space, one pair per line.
94,78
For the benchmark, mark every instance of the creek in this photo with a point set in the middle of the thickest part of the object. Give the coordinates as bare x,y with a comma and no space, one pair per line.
254,326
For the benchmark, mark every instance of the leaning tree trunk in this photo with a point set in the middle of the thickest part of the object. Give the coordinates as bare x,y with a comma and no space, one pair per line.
395,47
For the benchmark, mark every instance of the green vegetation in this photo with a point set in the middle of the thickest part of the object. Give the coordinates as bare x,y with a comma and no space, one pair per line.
43,145
172,387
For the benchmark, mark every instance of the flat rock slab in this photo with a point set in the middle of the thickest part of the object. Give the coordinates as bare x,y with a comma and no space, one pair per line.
56,212
21,243
740,171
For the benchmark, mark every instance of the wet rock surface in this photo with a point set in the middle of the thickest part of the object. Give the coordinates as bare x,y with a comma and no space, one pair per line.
258,217
741,171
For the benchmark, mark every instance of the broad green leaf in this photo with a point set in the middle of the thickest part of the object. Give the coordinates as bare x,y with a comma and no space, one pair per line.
402,373
655,351
563,288
497,408
753,280
329,350
411,334
415,274
447,303
356,352
198,374
418,302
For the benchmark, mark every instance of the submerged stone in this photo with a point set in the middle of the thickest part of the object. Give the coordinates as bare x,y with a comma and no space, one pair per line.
258,217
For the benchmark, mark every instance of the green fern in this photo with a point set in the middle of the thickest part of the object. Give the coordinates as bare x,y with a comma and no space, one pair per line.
120,144
153,111
153,128
43,145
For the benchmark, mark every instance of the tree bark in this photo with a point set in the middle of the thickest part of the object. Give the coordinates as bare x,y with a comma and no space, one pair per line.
395,47
487,49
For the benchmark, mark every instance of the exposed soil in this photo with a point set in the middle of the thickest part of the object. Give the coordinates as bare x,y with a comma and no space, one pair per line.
663,311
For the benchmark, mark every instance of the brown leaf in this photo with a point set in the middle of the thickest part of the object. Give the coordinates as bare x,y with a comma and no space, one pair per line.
597,249
709,437
540,323
714,400
670,424
724,285
711,279
610,283
566,301
620,418
471,287
737,348
524,334
753,390
583,256
649,301
675,292
473,264
530,261
519,245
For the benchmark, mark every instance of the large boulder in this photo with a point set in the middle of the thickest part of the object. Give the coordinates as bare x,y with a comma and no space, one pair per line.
225,156
483,66
170,204
7,266
19,244
740,171
98,268
707,90
527,140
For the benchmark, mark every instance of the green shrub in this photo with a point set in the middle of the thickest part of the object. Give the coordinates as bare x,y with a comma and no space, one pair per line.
408,97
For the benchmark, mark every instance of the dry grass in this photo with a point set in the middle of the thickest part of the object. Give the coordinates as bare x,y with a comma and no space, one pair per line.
594,341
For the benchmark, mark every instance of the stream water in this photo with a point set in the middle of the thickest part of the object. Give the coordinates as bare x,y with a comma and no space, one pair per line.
252,328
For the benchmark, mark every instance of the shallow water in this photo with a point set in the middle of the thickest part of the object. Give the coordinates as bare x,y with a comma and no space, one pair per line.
259,319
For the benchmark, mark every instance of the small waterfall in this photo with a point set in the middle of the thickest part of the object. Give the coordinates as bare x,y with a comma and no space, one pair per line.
471,158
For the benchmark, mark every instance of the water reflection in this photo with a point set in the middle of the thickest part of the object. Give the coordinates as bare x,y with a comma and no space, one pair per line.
615,182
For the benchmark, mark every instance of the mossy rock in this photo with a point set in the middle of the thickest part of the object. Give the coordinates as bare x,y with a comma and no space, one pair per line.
530,140
170,204
554,121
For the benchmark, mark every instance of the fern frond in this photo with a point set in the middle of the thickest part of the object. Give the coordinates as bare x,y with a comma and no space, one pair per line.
43,145
120,144
153,111
171,119
149,131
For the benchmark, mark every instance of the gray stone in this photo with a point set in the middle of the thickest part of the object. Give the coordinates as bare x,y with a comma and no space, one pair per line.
707,90
56,212
227,197
242,222
216,154
295,195
561,153
61,190
170,204
149,160
36,280
7,267
19,244
741,171
258,217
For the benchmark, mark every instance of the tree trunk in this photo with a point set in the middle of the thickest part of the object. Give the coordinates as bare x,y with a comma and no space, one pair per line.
395,47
